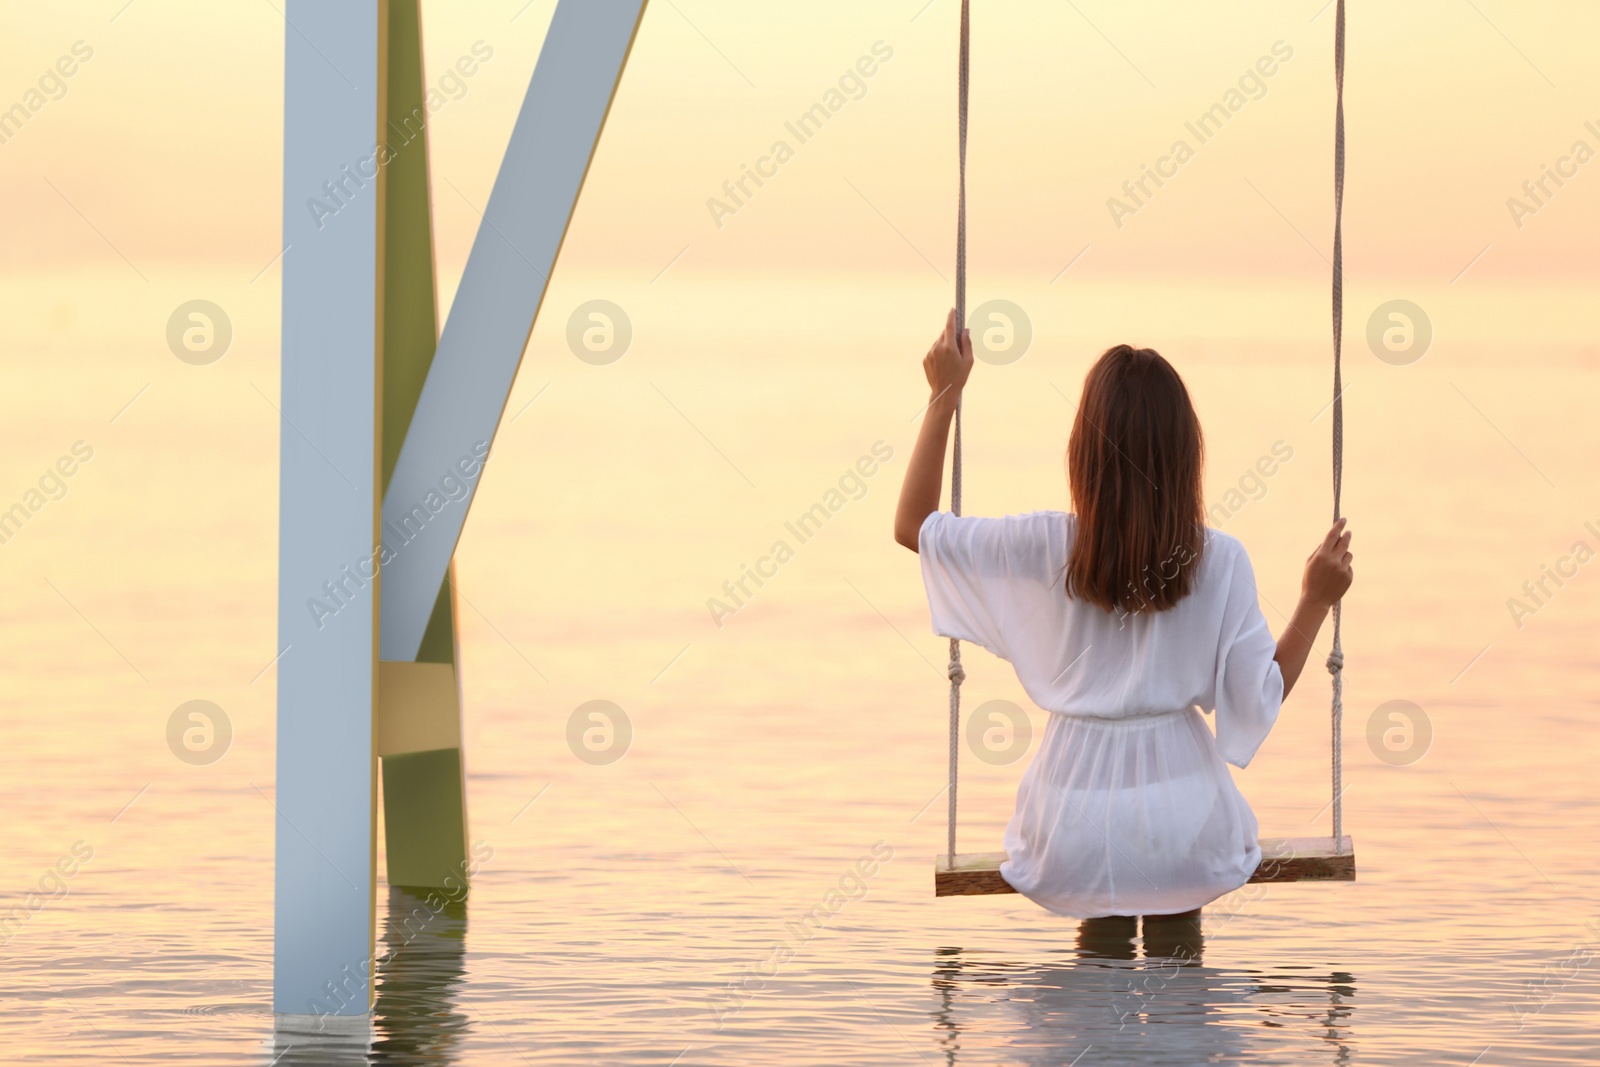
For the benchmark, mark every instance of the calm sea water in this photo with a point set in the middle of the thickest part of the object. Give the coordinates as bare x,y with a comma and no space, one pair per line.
649,911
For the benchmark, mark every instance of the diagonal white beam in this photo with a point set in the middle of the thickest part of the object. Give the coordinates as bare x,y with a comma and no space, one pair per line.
504,283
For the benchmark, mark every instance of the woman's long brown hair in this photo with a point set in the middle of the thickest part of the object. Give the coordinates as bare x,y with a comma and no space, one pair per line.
1134,466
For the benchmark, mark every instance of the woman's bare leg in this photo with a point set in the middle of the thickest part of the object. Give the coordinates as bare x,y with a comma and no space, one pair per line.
1174,936
1109,937
1194,914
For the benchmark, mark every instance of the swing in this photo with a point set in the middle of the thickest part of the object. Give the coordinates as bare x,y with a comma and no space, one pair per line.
1294,859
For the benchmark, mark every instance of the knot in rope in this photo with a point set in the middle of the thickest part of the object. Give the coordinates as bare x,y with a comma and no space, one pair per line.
1335,661
955,673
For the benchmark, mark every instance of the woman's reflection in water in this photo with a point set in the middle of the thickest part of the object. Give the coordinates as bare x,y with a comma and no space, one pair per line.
1151,1003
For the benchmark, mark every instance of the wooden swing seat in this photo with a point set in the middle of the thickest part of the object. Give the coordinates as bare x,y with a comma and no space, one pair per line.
1283,859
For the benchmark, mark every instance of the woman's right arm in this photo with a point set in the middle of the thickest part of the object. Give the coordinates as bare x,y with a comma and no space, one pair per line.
1327,577
947,366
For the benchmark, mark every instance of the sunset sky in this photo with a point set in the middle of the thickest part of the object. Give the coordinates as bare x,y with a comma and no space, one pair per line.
168,139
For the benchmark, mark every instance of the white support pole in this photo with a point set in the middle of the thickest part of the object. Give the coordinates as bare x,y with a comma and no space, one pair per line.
501,289
334,66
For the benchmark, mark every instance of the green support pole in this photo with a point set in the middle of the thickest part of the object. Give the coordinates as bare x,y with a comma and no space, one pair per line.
424,792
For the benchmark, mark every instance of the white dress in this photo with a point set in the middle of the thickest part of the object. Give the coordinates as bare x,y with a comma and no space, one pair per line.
1127,808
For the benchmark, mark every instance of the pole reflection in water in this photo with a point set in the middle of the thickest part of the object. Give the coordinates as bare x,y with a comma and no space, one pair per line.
420,966
419,981
1112,1000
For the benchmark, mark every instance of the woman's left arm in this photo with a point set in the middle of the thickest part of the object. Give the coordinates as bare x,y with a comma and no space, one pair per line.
947,366
1328,575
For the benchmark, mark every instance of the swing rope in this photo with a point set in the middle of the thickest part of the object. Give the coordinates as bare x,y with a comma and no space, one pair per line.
1336,657
954,671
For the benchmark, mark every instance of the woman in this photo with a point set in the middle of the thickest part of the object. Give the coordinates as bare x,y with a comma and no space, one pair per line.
1126,620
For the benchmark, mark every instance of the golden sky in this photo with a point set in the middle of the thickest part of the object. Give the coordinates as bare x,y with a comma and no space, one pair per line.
168,140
